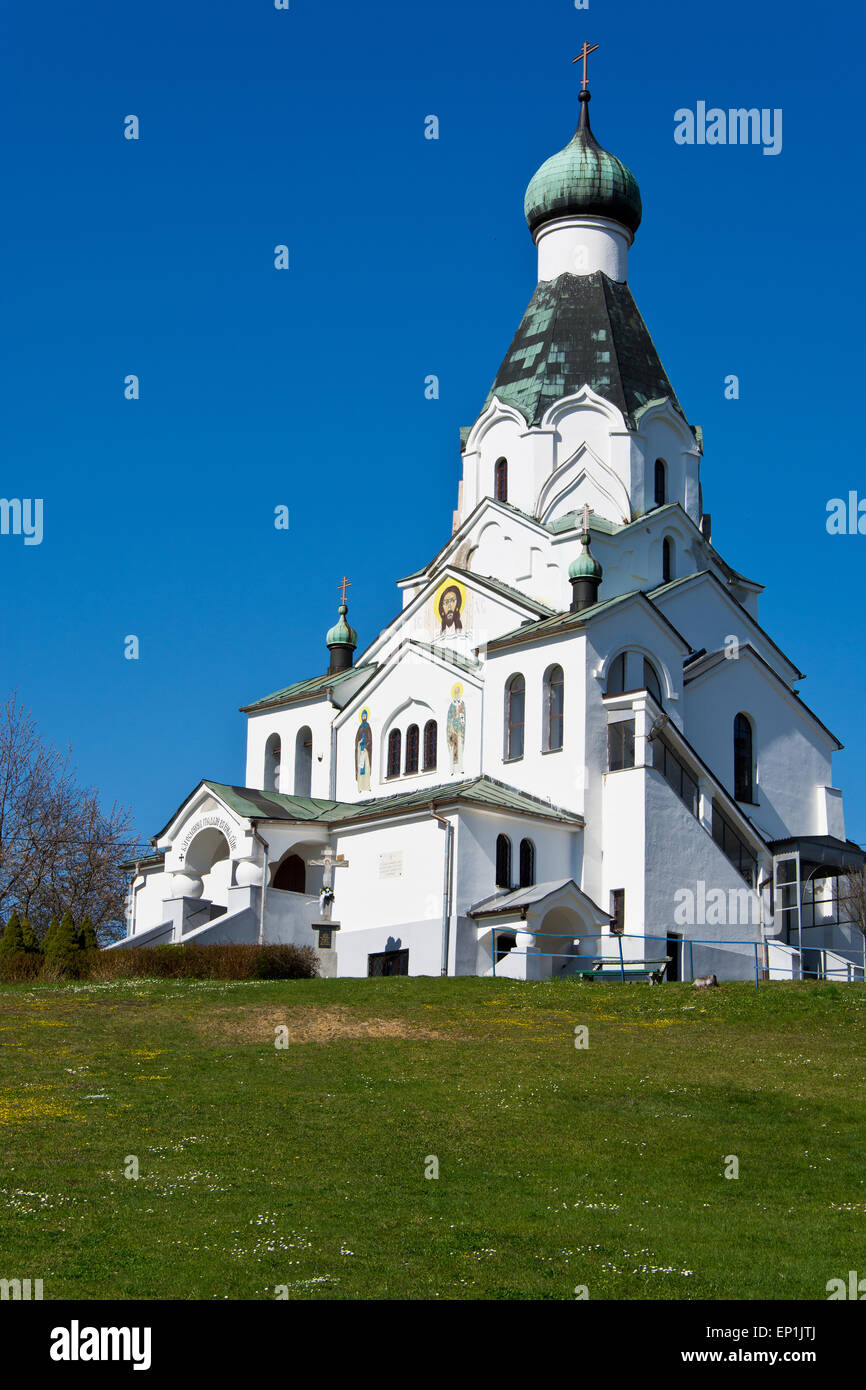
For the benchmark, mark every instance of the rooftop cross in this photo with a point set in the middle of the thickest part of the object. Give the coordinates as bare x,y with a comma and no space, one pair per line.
344,585
582,56
587,510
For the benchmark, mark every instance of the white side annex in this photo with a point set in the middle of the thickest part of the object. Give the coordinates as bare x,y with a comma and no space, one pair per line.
574,748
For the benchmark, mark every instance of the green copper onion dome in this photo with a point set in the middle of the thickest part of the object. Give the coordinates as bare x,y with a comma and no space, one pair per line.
583,180
341,635
585,566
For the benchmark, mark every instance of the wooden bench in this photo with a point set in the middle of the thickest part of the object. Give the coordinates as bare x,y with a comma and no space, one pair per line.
627,969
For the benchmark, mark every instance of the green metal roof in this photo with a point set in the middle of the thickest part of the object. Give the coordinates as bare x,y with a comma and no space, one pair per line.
480,791
307,689
583,180
582,330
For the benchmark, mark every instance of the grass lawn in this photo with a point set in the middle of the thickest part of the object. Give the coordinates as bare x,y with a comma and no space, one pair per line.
305,1165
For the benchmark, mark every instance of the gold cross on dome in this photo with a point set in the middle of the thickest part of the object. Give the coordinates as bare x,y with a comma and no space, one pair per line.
582,57
344,585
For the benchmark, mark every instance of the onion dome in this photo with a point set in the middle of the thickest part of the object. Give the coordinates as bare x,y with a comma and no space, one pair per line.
341,642
585,574
583,180
341,635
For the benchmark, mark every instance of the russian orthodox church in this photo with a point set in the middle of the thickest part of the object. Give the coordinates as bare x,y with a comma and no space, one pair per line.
574,748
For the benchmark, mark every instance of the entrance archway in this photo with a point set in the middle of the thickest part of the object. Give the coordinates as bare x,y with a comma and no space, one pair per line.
291,875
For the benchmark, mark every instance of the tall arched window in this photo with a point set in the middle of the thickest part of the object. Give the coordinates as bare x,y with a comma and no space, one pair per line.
667,560
503,861
394,743
303,761
651,681
411,764
500,480
553,704
515,715
272,764
527,863
616,676
743,759
431,745
291,875
660,482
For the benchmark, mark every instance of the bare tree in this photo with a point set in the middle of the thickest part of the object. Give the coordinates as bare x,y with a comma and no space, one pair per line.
58,848
853,886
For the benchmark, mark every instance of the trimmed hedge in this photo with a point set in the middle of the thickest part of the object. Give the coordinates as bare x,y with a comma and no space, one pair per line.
225,962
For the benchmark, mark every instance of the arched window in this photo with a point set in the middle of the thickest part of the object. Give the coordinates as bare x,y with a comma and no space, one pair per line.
503,861
411,764
500,480
394,742
667,560
660,482
291,875
303,761
515,714
272,764
743,759
651,681
554,692
527,863
431,745
616,676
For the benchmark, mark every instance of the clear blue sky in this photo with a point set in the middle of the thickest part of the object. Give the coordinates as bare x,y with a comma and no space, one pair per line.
408,257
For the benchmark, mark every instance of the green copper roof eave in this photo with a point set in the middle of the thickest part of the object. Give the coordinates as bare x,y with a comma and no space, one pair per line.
308,689
574,621
482,791
582,330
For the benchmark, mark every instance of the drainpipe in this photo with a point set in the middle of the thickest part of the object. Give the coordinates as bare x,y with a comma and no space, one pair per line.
446,887
265,852
332,770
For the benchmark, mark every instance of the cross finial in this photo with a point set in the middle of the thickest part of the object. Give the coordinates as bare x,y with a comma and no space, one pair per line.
582,57
586,514
344,585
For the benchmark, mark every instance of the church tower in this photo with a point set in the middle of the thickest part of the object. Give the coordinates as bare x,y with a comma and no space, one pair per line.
581,411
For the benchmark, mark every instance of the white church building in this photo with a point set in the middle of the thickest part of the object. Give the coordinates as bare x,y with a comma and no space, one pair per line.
574,748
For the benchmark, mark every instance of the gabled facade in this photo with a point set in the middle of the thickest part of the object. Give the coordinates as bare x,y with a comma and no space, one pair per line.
574,747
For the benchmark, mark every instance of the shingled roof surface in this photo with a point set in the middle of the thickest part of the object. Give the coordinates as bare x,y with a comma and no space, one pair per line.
581,330
482,791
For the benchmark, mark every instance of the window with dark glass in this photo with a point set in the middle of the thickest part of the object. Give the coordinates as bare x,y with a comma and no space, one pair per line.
394,742
660,481
676,774
503,861
515,714
527,863
554,692
734,847
743,781
617,911
431,742
500,480
651,681
620,745
411,764
667,560
616,676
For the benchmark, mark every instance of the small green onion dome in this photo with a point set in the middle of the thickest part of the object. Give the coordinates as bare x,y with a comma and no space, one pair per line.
585,566
583,180
341,635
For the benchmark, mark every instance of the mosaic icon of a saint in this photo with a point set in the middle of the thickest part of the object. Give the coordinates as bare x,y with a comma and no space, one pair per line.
364,752
450,604
455,728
